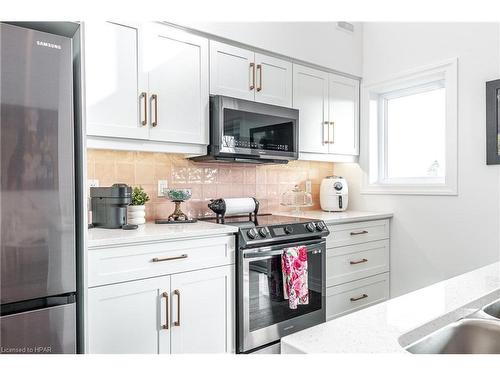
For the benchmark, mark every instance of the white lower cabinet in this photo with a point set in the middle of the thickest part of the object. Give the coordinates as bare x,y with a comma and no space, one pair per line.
127,318
190,312
347,298
357,266
173,296
202,304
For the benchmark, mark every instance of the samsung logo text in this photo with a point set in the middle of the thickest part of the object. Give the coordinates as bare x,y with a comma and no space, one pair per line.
47,44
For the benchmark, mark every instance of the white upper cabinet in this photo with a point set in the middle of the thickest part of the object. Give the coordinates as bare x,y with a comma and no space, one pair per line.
310,97
232,71
115,86
203,311
240,73
328,107
129,318
344,115
177,65
273,80
153,83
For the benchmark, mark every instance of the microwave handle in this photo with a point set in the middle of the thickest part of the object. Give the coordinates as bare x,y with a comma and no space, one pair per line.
312,246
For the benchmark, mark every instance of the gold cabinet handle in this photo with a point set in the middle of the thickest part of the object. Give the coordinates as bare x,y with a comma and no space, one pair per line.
165,326
364,260
326,133
332,127
154,99
259,71
252,76
178,294
358,233
363,296
143,96
183,256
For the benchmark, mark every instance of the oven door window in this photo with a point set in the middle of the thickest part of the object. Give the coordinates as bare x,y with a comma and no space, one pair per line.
258,131
267,305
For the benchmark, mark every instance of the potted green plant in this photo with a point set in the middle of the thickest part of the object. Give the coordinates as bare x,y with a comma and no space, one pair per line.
136,212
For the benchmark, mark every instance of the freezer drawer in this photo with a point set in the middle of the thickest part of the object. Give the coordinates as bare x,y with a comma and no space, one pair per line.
44,331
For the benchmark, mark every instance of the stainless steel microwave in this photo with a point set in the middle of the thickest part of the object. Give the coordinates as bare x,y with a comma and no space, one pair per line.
250,132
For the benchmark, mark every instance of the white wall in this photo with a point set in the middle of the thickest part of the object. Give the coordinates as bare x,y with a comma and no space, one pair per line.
315,42
437,237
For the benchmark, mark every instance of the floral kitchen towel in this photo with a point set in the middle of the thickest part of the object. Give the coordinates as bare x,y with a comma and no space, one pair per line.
294,267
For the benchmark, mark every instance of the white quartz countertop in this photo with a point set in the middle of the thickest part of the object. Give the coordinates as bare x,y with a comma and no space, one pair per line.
388,326
340,217
98,237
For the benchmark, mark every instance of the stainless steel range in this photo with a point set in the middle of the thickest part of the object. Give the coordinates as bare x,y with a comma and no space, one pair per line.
263,314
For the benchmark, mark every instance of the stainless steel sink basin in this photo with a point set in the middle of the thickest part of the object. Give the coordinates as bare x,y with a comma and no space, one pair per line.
467,336
493,309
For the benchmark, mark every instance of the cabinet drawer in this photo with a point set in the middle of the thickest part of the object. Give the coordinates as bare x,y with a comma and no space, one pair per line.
349,263
347,298
354,233
132,262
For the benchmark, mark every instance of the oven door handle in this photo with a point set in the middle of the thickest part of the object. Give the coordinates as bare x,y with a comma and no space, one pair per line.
265,252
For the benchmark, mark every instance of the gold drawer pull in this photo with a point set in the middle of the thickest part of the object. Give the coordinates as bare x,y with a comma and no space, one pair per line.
331,131
259,70
364,260
183,256
252,75
154,98
326,133
165,326
145,110
178,294
363,296
358,233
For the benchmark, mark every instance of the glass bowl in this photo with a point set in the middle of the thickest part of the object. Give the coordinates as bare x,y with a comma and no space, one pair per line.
178,195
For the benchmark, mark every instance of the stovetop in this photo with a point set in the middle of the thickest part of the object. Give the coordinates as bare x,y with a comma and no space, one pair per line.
271,229
266,219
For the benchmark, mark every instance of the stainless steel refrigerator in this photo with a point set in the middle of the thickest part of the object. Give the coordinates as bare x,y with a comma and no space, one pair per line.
37,193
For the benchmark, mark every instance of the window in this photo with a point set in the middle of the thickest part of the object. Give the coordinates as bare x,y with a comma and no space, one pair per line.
412,132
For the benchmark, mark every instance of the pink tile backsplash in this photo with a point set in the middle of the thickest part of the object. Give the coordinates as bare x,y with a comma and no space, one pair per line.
208,180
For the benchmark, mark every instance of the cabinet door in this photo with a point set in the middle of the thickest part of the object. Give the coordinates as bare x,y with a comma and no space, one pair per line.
129,317
203,305
310,97
273,80
114,81
177,63
232,71
344,115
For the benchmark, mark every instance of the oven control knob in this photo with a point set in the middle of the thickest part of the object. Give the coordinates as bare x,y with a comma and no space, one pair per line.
310,227
252,233
320,226
263,232
288,229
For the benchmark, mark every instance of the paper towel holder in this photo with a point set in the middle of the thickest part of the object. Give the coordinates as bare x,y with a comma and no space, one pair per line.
219,206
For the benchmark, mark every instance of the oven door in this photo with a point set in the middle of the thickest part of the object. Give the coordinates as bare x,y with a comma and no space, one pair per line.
264,315
258,130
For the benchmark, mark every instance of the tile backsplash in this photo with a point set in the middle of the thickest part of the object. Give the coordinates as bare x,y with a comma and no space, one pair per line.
207,180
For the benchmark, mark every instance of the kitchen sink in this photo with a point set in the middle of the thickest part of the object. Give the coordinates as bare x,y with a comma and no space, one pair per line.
493,309
466,336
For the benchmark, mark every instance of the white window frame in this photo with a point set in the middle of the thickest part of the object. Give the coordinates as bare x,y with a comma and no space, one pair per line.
373,158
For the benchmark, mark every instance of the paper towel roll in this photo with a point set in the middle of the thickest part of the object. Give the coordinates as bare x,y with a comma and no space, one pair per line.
239,206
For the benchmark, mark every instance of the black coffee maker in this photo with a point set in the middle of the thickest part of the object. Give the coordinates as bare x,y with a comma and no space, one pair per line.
109,206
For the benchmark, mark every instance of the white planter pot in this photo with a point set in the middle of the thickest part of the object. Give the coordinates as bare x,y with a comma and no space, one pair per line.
136,214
